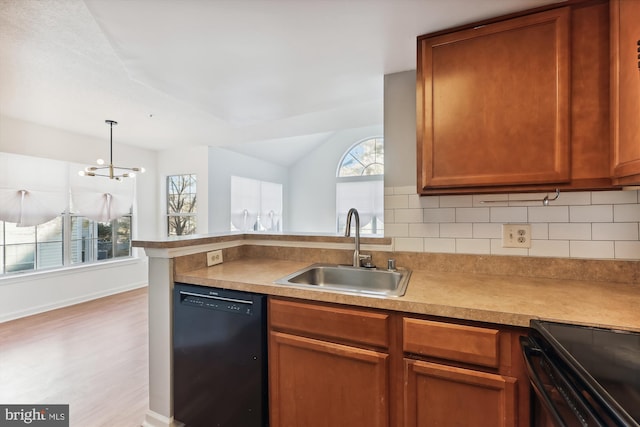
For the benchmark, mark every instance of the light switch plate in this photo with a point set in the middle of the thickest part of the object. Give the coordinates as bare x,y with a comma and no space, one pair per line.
516,235
214,257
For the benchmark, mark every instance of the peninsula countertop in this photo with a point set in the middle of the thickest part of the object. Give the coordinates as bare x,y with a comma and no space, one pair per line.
500,299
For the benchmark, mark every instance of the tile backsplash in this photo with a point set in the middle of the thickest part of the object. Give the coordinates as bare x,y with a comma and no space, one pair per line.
597,225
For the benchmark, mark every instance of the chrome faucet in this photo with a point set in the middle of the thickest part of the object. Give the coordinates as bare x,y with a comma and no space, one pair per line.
353,212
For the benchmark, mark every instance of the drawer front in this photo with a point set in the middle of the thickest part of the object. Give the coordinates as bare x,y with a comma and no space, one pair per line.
330,322
467,344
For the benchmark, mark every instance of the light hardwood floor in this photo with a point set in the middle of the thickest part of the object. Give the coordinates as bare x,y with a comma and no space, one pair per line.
92,356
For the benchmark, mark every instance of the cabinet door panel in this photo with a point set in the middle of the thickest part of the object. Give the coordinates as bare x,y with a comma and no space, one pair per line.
625,90
315,383
590,128
439,395
493,104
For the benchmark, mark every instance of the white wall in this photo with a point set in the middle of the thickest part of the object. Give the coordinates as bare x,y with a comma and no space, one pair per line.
400,129
182,161
222,165
313,182
29,293
599,224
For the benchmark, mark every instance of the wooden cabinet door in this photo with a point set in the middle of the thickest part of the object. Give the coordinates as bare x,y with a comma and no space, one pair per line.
440,395
315,383
493,104
625,90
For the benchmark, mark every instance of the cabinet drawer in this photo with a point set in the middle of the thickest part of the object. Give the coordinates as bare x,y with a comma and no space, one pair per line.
330,322
467,344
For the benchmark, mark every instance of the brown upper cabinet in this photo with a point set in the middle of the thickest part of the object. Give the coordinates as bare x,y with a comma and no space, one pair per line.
519,104
625,91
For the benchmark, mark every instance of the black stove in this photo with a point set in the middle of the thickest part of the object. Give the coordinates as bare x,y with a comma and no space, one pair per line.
589,376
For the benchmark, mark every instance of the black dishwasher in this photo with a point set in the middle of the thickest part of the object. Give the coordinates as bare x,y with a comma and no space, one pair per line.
219,357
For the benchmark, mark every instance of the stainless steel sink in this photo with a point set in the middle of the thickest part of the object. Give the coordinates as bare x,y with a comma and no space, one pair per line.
349,279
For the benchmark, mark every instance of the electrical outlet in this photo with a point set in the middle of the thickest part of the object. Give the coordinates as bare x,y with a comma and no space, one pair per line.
214,257
516,235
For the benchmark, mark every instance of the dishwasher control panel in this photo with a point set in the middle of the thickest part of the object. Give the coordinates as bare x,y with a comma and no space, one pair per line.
216,302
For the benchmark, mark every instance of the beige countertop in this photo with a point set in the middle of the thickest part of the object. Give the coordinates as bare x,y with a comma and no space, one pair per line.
507,300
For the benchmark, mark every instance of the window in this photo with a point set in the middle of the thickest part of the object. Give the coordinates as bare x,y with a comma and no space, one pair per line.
43,246
31,248
54,218
255,205
360,185
181,205
365,158
95,241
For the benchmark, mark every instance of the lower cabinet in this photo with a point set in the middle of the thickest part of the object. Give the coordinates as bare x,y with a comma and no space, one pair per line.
317,383
328,365
332,365
463,374
441,395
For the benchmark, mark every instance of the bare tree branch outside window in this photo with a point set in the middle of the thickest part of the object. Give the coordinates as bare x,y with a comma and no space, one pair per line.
181,205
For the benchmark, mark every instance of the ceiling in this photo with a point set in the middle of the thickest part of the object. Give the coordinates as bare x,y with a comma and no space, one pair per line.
246,74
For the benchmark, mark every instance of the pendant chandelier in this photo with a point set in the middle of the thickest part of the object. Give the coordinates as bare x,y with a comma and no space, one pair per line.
110,171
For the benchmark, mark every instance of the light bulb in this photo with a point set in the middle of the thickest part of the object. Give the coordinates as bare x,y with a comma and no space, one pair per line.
100,162
142,170
131,174
81,173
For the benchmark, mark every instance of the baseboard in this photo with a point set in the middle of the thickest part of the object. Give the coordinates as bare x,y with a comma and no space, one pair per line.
5,317
153,419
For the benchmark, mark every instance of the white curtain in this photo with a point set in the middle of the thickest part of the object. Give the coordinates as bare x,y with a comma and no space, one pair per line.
33,190
253,200
245,202
101,199
366,196
270,205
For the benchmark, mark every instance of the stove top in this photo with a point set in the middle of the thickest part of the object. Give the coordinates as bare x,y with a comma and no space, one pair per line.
607,360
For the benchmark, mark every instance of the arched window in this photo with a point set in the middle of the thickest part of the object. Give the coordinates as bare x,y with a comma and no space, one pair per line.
364,158
360,185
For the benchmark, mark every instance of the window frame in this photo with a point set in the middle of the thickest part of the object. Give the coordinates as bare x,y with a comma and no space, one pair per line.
354,146
376,226
66,242
193,215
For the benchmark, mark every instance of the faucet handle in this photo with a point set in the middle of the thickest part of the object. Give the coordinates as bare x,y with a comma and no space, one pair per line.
367,261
